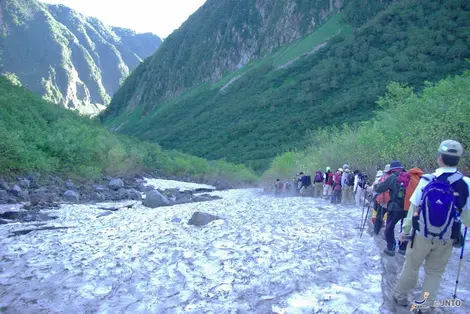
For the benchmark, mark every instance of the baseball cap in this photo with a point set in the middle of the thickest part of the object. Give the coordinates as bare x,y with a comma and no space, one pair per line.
451,148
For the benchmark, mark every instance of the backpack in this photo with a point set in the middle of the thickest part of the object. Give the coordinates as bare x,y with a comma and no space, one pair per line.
330,178
306,181
438,207
403,180
415,175
350,179
362,180
319,176
383,198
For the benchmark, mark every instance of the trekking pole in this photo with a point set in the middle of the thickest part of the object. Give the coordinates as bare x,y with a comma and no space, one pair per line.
365,220
363,206
460,263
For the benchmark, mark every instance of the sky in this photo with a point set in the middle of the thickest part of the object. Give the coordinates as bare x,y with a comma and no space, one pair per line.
160,17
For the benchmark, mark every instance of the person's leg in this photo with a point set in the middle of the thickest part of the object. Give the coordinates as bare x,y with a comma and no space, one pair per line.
435,266
393,218
378,220
404,244
409,274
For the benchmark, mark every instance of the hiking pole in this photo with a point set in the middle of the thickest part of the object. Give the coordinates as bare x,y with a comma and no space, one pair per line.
460,263
365,220
363,205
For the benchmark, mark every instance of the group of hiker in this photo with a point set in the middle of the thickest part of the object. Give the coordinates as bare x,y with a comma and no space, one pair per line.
342,186
431,209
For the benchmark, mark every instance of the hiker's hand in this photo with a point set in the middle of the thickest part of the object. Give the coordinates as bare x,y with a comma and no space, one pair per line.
402,237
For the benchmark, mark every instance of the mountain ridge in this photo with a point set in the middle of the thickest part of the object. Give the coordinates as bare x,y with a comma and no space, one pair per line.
70,59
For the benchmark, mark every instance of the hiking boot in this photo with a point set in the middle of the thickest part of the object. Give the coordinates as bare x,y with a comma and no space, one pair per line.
401,300
402,252
389,252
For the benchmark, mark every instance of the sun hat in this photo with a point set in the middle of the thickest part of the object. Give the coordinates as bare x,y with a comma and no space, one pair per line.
395,165
387,168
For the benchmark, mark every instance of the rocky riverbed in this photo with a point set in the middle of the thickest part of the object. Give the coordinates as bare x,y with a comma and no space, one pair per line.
253,253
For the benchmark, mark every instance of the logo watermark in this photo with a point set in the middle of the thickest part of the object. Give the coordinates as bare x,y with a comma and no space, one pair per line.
417,304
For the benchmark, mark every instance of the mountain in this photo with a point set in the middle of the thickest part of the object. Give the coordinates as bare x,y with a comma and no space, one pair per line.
70,59
207,99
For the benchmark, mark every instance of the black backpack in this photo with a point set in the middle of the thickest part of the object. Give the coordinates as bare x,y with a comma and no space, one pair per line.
350,179
306,180
362,180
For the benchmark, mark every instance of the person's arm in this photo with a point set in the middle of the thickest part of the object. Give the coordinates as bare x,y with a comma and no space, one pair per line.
384,186
408,221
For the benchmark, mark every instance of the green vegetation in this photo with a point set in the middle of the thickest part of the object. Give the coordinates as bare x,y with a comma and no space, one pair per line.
268,110
408,127
36,135
54,50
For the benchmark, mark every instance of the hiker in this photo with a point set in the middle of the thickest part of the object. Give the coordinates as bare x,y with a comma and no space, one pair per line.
433,198
328,185
318,181
298,182
360,183
382,199
336,199
376,208
396,183
348,187
305,183
277,188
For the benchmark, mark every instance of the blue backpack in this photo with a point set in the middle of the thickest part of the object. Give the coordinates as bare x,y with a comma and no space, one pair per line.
438,206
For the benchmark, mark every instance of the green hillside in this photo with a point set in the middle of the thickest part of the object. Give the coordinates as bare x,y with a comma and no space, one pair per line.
408,127
266,110
39,136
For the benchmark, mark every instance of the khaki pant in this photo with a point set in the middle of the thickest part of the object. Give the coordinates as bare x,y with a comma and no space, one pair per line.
348,197
318,189
359,196
435,253
327,189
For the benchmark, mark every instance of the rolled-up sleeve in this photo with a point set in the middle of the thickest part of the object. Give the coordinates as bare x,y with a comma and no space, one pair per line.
415,199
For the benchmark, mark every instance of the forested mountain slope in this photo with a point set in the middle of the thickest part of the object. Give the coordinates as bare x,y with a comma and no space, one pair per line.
323,79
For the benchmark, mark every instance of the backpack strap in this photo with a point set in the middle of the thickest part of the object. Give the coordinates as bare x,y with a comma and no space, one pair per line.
455,177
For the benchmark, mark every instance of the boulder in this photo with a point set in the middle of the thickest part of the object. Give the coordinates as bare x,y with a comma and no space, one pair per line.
182,201
154,199
23,196
116,184
149,188
69,185
3,195
15,190
4,186
121,194
141,187
201,219
100,188
134,195
97,197
25,183
71,196
34,185
201,198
